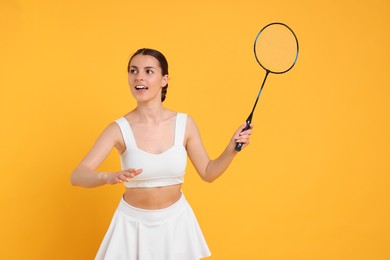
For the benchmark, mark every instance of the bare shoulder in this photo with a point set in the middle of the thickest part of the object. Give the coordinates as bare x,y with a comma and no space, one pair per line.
113,128
190,121
112,134
191,128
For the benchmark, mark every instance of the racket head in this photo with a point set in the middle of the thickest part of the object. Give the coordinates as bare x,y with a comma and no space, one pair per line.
276,48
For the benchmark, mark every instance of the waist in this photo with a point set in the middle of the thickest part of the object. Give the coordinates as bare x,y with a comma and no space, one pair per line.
154,216
153,198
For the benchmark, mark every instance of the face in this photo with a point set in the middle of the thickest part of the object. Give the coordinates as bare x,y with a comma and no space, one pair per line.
146,79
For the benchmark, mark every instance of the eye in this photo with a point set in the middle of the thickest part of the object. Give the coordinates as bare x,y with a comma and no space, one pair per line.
149,71
133,71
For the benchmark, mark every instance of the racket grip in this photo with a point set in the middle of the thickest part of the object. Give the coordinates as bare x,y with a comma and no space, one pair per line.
239,145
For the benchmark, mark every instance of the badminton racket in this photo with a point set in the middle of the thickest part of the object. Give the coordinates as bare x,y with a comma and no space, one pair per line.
276,50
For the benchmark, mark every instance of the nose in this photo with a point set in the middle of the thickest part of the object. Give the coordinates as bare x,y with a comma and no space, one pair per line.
139,77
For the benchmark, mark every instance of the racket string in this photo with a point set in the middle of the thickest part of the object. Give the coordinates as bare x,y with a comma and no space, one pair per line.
276,48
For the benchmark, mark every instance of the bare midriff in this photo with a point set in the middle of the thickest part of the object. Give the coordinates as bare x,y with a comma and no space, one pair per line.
153,198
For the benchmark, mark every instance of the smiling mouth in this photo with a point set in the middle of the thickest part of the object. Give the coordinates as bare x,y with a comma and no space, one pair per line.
140,87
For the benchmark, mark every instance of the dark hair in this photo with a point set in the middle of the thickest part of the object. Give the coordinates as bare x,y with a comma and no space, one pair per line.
163,64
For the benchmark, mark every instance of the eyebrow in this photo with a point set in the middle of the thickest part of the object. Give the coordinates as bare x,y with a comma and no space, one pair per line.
148,67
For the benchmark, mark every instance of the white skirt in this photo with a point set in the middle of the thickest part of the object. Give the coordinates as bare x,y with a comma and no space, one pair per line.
172,233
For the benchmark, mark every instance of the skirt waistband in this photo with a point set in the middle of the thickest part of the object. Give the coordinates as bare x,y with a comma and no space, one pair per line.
153,216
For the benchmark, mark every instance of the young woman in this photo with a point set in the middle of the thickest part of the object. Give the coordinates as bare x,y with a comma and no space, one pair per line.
153,219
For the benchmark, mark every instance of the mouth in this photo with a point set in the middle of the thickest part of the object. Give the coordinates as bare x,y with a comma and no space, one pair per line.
141,87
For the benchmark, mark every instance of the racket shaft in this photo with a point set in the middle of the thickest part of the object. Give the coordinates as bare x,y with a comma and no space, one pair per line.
249,119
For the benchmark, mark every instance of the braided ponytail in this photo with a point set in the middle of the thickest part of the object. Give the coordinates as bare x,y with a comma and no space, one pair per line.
164,93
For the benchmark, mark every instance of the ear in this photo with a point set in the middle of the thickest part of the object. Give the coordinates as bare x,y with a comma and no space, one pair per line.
164,81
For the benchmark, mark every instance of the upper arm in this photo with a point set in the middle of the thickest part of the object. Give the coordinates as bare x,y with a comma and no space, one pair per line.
195,149
109,138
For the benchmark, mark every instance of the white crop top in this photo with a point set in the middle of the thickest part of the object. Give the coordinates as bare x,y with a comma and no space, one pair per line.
163,169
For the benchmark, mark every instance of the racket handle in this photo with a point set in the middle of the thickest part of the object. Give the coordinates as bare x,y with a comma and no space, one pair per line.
239,145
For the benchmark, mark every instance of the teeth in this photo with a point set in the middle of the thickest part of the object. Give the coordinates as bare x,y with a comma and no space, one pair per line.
140,87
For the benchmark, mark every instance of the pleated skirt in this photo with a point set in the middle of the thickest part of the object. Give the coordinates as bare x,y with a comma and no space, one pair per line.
172,233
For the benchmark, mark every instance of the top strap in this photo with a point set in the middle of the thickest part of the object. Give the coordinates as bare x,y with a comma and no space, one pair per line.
127,133
181,122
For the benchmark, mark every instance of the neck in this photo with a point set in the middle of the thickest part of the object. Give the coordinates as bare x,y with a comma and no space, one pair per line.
149,113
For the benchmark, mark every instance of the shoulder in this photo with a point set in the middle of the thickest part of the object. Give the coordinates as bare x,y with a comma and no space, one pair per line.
118,123
115,125
186,118
191,127
182,116
112,131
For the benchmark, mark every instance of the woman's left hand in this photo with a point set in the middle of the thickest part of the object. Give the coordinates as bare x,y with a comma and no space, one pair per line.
241,136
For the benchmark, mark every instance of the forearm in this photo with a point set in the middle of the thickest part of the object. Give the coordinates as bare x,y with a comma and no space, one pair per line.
217,167
209,170
84,177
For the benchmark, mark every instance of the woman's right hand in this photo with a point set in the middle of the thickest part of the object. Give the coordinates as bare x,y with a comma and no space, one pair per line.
121,176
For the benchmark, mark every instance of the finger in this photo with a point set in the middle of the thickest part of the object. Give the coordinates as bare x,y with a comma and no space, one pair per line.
243,127
138,171
243,135
249,130
243,138
134,171
123,177
242,130
115,181
131,173
243,141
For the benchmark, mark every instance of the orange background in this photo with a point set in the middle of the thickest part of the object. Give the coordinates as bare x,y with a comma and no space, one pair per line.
313,184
